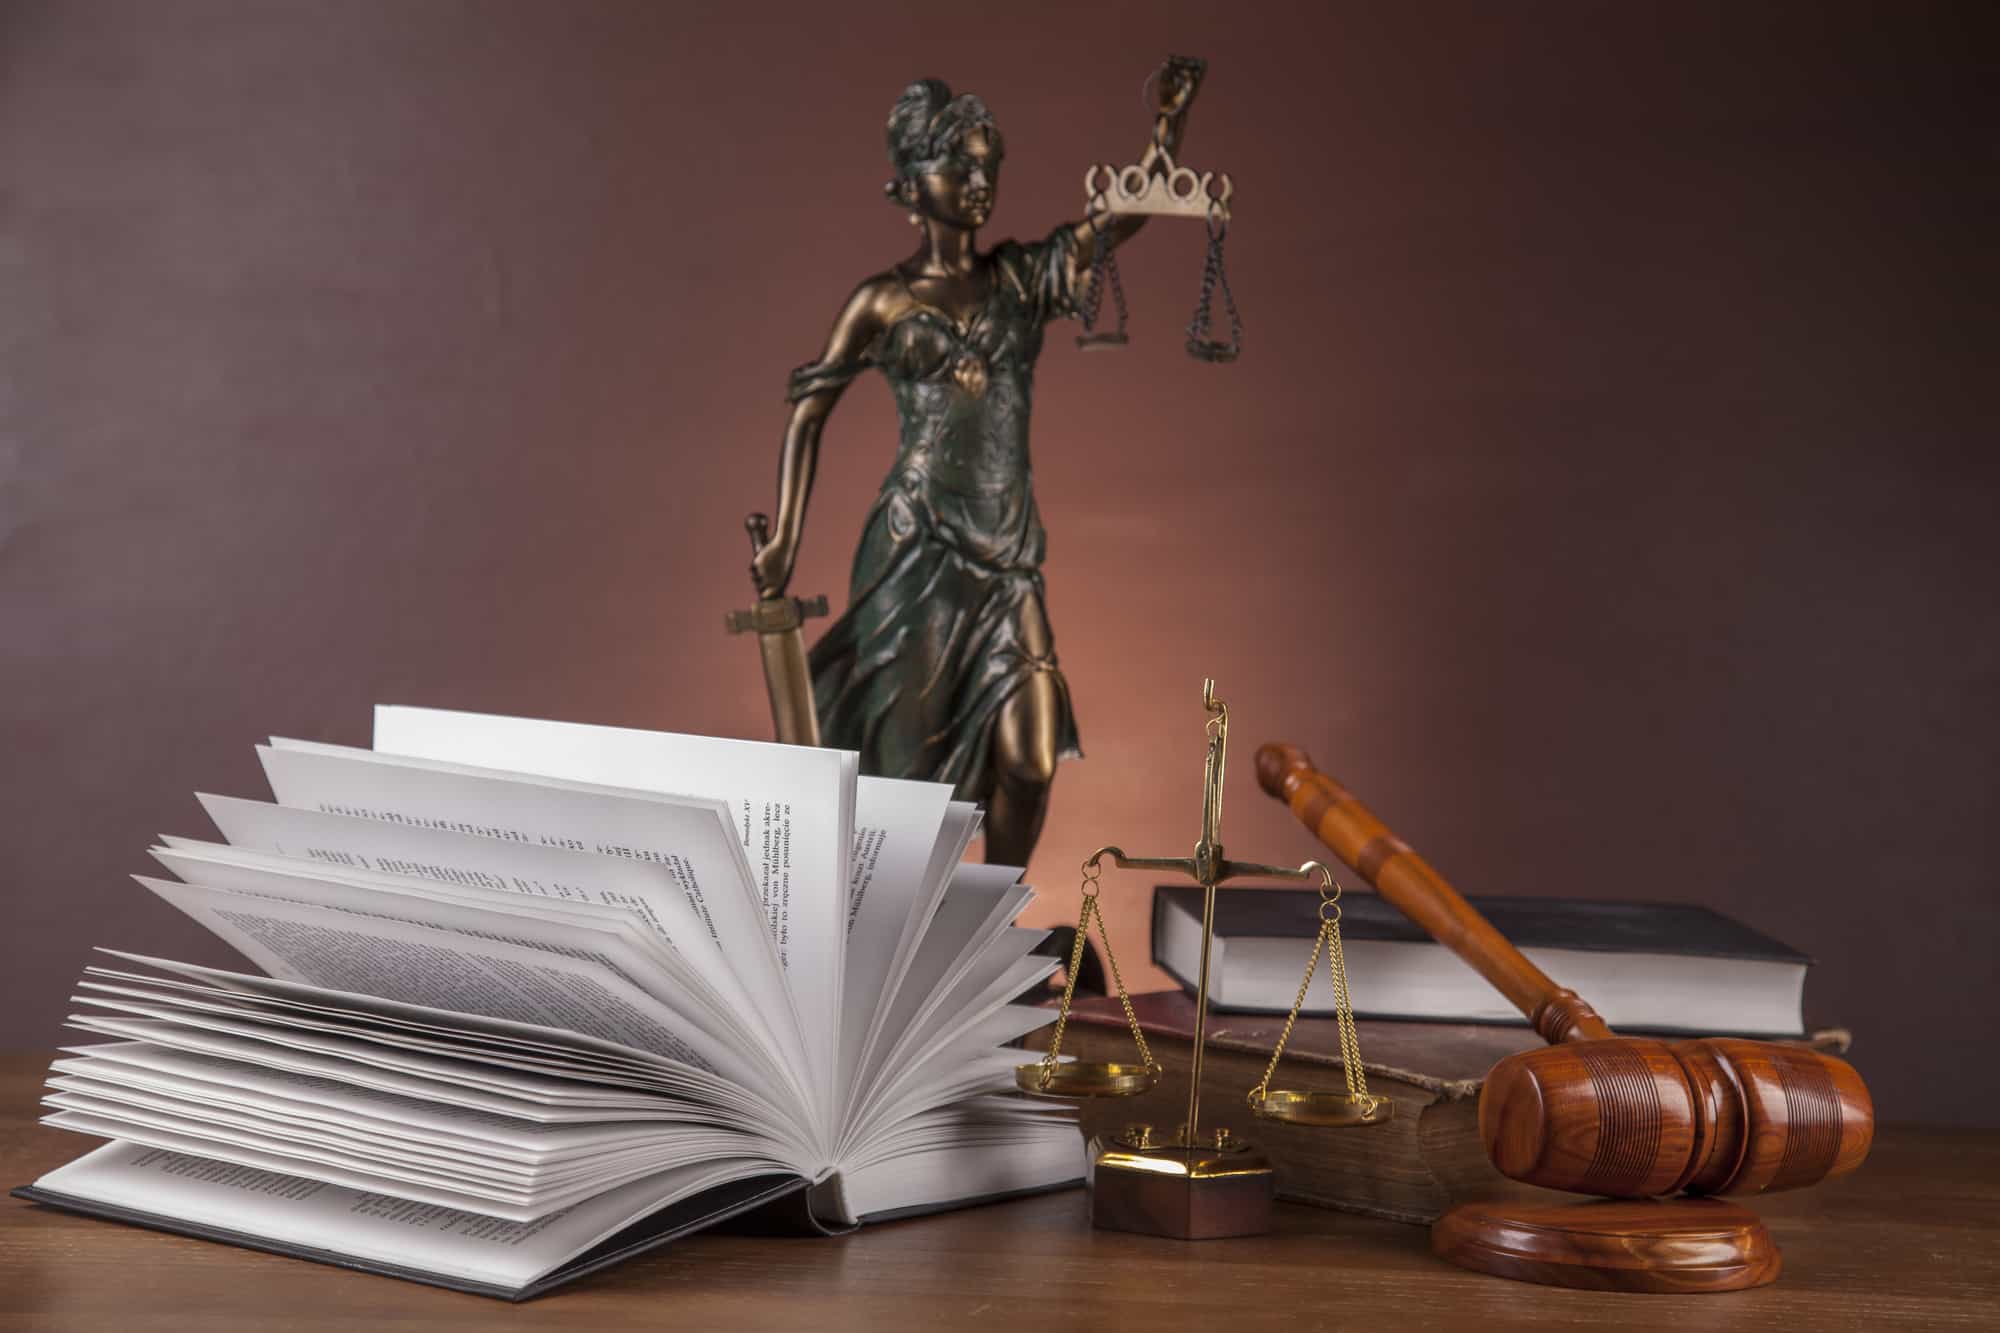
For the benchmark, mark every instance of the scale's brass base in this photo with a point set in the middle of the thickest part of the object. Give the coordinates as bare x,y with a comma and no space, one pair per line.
1222,1188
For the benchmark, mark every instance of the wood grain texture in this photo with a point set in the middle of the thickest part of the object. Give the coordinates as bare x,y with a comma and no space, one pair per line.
1805,1118
1674,1246
1598,1114
1904,1245
1611,1117
1632,1117
1418,891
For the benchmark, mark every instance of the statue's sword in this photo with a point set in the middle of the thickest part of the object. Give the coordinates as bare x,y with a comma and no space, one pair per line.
777,621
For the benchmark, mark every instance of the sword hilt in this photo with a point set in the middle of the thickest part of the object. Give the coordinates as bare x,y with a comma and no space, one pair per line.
771,615
774,615
775,620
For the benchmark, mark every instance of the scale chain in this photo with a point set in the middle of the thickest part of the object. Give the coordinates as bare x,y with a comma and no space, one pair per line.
1343,1006
1124,997
1278,1052
1091,873
1103,273
1350,1044
1201,342
1069,988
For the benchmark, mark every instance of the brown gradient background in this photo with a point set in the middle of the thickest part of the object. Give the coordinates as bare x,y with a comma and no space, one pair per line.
1606,492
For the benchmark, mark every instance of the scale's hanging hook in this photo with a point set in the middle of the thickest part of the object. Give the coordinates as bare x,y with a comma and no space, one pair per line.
1356,1106
1049,1076
1202,345
1103,273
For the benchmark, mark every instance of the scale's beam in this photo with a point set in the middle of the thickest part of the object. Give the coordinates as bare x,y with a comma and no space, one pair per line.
1238,869
1162,189
1225,870
1181,864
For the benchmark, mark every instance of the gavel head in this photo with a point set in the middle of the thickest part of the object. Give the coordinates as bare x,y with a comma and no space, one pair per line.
1637,1118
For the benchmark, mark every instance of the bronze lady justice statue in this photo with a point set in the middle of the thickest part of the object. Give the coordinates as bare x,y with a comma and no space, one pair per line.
944,667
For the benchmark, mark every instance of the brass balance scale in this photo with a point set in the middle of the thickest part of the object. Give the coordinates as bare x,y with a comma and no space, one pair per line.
1198,1184
1158,186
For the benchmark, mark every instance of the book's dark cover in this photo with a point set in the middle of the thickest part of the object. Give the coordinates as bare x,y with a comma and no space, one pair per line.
1528,923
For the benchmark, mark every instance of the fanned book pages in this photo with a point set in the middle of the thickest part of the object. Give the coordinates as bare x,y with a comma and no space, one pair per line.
537,996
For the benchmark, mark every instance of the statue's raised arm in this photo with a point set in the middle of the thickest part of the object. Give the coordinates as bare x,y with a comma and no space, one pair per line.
1174,87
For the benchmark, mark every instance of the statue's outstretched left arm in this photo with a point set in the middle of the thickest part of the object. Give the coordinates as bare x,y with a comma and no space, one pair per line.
1178,82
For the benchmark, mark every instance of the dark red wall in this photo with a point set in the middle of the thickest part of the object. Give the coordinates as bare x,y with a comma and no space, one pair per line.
1605,493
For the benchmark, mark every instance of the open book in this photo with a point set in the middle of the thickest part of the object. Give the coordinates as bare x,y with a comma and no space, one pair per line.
540,995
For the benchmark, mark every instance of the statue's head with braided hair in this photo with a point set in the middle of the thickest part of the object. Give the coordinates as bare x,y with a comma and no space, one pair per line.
946,153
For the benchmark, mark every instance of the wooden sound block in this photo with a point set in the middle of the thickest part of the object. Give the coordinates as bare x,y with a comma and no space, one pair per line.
1665,1245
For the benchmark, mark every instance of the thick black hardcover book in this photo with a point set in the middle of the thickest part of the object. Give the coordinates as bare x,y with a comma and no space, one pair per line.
1652,959
1530,923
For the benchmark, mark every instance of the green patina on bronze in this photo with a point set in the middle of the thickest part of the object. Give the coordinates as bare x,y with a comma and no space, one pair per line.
945,604
943,666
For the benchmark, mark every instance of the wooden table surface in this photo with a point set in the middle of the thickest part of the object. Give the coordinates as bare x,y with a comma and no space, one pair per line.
1912,1240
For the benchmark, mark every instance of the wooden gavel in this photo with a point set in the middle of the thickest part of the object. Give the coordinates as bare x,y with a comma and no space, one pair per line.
1594,1113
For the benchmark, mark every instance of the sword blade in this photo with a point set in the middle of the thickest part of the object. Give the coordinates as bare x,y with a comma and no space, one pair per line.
776,621
789,681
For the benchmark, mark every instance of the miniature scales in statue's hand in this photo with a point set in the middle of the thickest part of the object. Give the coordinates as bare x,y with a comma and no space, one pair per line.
1195,1185
943,666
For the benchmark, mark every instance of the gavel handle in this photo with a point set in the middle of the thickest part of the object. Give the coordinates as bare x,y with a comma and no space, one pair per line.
1408,882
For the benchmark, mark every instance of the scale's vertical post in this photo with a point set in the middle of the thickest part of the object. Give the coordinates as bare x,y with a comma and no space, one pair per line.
1187,1188
1200,1016
1207,868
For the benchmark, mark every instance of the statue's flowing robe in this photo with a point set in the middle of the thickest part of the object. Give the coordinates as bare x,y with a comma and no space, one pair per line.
932,643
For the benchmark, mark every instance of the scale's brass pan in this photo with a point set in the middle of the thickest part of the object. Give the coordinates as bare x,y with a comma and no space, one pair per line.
1083,1078
1326,1109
